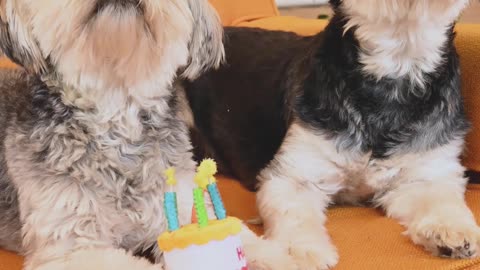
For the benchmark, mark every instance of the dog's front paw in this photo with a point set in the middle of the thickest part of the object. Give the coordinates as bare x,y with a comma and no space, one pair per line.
314,255
264,254
451,239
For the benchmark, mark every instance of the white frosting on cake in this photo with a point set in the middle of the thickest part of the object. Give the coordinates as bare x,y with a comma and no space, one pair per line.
216,255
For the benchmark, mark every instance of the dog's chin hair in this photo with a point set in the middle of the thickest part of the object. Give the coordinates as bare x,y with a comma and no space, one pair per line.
118,51
401,38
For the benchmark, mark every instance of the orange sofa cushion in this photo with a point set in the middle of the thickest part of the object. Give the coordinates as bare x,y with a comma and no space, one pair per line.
6,63
231,11
10,261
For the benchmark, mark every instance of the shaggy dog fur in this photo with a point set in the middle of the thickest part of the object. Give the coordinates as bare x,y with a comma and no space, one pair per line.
367,111
90,123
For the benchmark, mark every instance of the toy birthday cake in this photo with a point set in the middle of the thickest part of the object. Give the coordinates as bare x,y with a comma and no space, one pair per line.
205,244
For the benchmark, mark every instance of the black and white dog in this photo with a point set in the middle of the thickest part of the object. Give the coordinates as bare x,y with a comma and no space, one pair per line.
367,111
89,123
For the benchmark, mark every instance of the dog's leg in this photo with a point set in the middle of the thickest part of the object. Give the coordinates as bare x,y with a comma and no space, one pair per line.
66,249
69,225
294,194
263,254
429,201
96,259
294,217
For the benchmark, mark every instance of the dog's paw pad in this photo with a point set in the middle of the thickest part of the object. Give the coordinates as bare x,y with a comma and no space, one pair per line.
463,251
449,241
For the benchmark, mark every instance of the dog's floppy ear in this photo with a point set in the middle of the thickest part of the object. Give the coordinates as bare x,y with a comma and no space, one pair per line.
16,41
335,3
3,10
206,44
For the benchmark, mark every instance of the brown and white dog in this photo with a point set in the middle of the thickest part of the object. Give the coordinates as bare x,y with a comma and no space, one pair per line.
369,111
90,122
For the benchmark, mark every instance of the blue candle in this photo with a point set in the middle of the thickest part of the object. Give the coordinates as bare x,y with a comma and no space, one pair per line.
170,202
220,211
171,211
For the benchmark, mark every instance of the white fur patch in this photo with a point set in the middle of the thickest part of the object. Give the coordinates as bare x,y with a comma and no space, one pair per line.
98,259
401,38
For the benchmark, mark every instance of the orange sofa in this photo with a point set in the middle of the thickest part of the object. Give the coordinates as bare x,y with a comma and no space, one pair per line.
365,238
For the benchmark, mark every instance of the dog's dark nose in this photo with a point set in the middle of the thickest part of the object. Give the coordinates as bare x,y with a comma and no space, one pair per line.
101,4
125,2
122,3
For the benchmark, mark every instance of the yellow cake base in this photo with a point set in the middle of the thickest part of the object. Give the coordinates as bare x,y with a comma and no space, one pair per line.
192,234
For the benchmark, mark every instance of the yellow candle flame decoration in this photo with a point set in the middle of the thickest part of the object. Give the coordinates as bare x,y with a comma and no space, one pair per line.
170,174
205,173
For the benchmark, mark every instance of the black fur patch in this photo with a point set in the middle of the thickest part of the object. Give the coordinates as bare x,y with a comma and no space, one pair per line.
240,113
47,105
341,101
